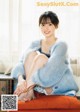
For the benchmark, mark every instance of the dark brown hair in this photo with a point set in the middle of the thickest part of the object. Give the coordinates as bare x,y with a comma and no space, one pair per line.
49,15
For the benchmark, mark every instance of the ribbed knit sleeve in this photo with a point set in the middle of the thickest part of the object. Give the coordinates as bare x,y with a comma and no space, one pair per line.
19,67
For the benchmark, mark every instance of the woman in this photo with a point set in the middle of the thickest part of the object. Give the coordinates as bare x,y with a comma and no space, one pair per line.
45,64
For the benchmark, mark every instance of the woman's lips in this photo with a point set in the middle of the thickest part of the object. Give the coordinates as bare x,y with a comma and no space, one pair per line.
47,32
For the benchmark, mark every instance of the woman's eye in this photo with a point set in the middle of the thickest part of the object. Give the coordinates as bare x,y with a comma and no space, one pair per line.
50,24
43,24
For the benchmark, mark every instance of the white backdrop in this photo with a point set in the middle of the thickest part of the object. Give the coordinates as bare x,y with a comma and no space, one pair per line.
19,26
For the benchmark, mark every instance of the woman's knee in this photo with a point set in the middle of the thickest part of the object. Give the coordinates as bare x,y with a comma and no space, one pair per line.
41,59
32,54
30,57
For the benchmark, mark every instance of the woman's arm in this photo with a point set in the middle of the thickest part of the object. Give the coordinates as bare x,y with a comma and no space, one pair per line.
54,69
17,70
19,67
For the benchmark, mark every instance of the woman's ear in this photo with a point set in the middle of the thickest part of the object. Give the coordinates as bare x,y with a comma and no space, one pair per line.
56,26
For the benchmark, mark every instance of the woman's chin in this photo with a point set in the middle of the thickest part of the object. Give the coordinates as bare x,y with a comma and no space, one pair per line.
47,35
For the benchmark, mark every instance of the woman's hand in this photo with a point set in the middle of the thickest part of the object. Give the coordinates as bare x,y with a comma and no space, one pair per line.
27,96
22,87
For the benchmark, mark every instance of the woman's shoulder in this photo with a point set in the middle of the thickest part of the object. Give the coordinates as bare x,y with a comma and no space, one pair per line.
35,43
61,44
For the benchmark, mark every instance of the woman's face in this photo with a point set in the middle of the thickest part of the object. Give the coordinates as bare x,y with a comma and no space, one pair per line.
47,28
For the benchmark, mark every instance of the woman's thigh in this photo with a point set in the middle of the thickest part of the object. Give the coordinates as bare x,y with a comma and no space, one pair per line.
29,61
35,59
40,60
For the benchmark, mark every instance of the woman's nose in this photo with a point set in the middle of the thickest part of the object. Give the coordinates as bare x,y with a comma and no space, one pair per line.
46,27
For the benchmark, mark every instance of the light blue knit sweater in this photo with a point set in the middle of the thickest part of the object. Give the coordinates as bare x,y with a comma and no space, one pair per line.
56,73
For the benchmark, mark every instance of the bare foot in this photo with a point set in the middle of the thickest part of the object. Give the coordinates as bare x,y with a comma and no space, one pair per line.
21,87
48,90
27,96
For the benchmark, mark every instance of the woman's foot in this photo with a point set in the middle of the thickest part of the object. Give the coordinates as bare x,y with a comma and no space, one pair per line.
27,96
48,90
21,87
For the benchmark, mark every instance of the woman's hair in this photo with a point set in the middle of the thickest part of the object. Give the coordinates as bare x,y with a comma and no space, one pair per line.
49,15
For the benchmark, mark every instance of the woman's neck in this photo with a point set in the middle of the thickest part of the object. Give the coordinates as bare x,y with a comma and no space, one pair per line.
50,40
47,43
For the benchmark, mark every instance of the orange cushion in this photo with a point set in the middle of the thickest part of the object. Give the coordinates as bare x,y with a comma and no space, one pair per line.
51,102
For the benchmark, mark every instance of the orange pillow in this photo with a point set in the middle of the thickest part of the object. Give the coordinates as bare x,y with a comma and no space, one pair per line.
51,102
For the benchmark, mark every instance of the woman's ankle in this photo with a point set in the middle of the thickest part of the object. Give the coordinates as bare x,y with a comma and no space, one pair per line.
20,78
20,82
